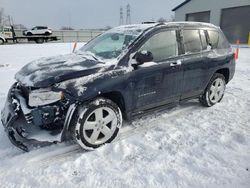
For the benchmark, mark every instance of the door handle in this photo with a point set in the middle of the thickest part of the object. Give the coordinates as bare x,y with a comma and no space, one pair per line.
174,64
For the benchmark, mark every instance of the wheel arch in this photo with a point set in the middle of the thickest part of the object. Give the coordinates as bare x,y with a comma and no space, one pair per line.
225,72
117,98
1,38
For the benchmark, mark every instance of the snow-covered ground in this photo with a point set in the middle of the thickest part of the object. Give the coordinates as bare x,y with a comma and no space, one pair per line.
188,146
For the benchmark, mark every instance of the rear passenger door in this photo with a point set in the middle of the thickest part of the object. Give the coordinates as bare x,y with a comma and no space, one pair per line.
194,62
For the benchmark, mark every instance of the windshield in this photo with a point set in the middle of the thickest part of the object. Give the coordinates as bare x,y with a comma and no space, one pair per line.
112,43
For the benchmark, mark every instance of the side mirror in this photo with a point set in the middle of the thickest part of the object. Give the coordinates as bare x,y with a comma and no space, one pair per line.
209,46
143,57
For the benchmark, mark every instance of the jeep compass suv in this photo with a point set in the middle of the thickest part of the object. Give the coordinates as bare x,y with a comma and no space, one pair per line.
126,71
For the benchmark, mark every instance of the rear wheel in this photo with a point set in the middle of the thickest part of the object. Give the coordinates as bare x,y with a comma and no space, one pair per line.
39,40
96,123
214,91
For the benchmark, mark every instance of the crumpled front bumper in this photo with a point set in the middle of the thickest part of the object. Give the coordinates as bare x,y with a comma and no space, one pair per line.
15,124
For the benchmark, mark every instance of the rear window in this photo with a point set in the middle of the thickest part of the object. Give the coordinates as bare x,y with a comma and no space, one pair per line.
192,42
213,38
223,42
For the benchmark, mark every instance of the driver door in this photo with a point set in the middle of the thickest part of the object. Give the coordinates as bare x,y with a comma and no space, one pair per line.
159,82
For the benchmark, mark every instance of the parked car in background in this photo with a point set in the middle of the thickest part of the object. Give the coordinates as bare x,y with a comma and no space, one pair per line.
38,30
121,74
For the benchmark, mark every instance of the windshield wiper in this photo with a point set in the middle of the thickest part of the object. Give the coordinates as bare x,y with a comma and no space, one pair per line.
90,54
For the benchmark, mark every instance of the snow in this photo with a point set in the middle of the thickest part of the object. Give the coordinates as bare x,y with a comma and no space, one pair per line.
135,29
187,146
39,70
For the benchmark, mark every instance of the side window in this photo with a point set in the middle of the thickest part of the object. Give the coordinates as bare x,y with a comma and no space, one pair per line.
163,45
192,42
213,38
203,40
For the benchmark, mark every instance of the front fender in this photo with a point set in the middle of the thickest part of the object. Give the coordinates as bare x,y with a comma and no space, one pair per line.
88,87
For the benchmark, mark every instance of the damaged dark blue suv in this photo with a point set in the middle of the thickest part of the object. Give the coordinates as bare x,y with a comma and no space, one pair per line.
126,71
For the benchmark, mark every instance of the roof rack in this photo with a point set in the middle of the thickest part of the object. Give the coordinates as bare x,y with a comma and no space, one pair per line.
150,22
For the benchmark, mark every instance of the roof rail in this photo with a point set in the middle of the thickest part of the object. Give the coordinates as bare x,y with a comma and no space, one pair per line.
150,22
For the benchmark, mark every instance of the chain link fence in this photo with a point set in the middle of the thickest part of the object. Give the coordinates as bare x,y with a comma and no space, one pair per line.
71,36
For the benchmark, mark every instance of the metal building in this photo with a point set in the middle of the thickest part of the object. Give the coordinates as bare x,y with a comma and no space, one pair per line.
233,16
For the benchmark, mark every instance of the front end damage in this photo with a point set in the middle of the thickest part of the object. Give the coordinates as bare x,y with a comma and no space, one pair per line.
31,127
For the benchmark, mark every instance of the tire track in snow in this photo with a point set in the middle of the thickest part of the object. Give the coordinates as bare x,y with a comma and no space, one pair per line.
45,158
144,126
140,126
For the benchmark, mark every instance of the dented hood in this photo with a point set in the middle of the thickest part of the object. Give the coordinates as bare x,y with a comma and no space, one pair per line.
45,72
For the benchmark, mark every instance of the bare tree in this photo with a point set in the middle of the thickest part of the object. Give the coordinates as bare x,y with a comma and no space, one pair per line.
107,27
161,20
172,18
67,28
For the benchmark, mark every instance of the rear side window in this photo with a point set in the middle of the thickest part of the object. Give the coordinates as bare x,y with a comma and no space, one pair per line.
213,38
163,45
192,42
203,39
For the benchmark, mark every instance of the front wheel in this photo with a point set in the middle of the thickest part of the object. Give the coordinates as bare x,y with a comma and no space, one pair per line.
214,91
1,41
96,123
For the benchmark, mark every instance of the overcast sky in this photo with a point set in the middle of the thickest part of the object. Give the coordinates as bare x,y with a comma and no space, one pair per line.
84,13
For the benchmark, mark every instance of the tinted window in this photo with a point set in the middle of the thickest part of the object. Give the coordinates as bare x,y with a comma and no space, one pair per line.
162,45
203,39
213,38
192,42
223,43
7,30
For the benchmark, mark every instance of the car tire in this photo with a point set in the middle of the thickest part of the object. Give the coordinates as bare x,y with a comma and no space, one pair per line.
215,91
96,123
47,33
29,34
1,42
40,40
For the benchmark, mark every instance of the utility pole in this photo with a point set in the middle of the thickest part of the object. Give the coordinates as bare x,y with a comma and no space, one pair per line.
121,16
1,16
128,18
9,18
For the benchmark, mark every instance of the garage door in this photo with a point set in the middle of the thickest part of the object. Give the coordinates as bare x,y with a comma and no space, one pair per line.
235,23
198,17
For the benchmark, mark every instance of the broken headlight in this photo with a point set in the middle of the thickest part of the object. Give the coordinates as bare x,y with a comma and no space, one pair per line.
43,97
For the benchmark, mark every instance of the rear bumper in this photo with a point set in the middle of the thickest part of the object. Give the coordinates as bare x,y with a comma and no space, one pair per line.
15,125
232,70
